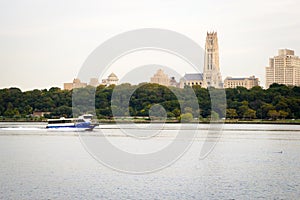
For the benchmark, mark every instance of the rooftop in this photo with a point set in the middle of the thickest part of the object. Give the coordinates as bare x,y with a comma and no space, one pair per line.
285,52
236,79
240,79
194,76
112,75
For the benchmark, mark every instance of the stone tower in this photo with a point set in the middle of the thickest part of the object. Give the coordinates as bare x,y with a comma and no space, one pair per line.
211,72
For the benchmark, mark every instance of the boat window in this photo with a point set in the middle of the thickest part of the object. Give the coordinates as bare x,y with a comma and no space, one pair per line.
61,121
55,122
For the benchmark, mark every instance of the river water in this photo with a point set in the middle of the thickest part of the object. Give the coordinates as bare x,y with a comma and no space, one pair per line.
248,162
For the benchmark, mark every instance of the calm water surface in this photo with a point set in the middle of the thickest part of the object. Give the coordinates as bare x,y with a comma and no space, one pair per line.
249,162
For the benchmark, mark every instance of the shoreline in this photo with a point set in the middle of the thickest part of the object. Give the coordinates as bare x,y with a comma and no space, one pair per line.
146,121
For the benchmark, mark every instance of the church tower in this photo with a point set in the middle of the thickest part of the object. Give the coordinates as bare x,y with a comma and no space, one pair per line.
211,72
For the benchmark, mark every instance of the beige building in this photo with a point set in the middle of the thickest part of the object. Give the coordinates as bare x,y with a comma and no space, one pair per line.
211,70
173,82
39,113
191,79
160,78
248,83
112,79
94,82
76,84
283,69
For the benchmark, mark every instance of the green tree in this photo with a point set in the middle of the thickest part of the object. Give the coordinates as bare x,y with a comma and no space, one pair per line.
214,116
186,117
273,114
283,114
231,113
62,111
27,110
243,109
11,111
265,108
176,112
250,114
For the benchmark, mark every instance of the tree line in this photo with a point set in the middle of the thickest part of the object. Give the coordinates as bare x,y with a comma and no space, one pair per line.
277,102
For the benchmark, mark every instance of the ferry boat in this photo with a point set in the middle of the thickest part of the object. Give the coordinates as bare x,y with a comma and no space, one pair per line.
82,123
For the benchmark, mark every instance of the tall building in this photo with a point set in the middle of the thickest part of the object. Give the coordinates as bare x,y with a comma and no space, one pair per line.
76,84
160,78
211,71
283,69
248,83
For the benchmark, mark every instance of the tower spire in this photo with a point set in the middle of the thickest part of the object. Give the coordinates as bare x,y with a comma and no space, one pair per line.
212,74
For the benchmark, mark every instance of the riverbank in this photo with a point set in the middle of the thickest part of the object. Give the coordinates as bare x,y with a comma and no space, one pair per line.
147,120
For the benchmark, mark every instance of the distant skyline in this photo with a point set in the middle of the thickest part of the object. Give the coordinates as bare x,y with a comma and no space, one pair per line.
44,43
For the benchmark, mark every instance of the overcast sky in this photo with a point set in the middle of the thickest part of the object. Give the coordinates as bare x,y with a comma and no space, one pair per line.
43,43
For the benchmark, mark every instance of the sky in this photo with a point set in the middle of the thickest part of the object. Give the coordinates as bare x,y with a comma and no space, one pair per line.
44,43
